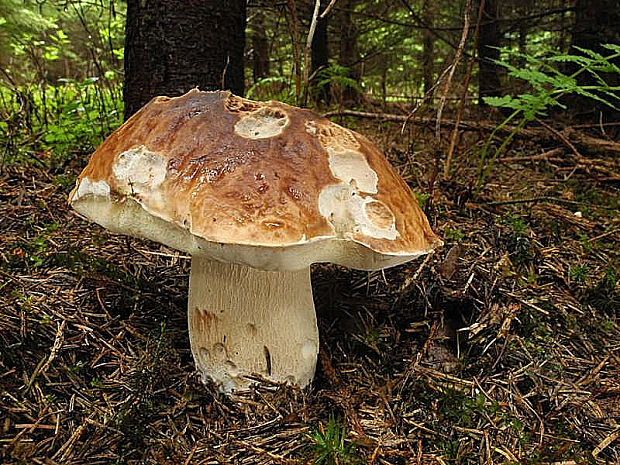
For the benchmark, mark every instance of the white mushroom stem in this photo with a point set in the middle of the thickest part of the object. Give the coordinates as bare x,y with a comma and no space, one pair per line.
243,321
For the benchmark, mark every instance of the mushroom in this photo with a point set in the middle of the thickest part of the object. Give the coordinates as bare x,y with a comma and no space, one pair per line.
256,192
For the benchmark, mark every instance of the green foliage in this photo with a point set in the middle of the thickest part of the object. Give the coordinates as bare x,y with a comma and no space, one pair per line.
33,253
518,242
60,78
604,294
336,75
274,87
610,279
422,198
461,409
336,81
329,445
518,226
46,125
548,85
578,273
44,41
337,78
453,235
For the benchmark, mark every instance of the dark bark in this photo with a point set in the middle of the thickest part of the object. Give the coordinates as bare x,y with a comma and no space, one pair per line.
293,25
523,28
172,46
596,22
428,44
490,36
319,58
260,46
349,53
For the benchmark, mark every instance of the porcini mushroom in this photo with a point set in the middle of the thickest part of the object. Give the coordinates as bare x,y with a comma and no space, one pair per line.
255,192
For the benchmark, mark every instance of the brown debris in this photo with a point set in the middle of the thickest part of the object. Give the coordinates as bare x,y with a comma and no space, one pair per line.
95,365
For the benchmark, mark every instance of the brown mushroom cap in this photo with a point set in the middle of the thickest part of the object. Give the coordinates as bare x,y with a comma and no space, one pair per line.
258,183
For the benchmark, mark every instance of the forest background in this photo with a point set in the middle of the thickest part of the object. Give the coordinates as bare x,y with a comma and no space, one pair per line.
501,348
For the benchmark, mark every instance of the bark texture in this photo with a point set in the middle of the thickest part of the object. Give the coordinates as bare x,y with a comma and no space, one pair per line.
490,37
172,46
428,44
319,57
260,46
597,22
349,53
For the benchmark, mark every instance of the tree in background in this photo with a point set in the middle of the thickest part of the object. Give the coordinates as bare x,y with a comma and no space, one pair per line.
597,22
349,52
172,46
428,42
488,42
260,47
393,50
319,59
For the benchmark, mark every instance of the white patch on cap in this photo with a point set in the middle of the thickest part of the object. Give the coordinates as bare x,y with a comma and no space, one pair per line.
88,187
261,124
310,127
350,213
352,168
139,170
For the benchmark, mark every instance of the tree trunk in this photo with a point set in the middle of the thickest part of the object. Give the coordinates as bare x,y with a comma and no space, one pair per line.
349,53
597,22
523,28
172,46
260,46
489,37
319,58
428,44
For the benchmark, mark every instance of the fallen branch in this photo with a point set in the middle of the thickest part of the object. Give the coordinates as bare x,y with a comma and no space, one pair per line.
467,125
559,136
583,141
559,151
593,144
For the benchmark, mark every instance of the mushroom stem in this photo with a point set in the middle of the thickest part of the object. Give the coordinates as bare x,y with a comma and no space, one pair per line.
243,321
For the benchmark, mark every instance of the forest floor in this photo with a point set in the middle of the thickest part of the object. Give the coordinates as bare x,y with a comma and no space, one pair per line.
502,347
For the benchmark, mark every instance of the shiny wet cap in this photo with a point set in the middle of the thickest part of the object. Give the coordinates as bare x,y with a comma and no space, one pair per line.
263,184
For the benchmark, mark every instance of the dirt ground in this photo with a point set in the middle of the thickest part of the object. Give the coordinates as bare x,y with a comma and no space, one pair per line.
503,347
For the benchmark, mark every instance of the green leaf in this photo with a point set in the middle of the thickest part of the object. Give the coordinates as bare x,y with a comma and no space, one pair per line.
506,101
591,53
585,93
612,47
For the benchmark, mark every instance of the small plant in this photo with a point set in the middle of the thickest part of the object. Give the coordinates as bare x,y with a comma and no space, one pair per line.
549,85
578,273
518,227
422,199
455,235
585,242
330,445
610,279
530,279
604,295
607,326
336,75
